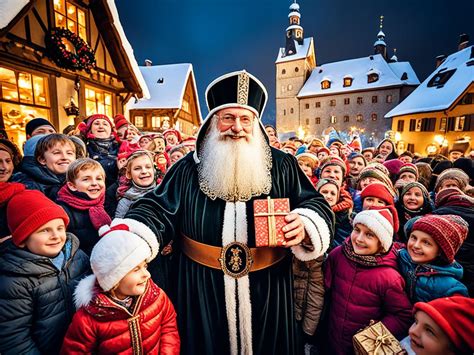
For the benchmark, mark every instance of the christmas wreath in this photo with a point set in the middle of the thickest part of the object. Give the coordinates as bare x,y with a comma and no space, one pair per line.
82,58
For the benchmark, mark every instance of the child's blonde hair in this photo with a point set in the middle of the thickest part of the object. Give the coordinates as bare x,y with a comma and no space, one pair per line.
135,155
81,165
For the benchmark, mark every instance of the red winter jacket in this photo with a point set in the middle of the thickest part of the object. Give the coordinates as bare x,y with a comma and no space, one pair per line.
104,327
361,293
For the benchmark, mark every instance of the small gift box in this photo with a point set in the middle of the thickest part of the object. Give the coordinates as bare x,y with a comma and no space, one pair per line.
376,339
269,220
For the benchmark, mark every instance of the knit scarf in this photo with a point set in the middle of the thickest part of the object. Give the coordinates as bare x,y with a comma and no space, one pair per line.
366,260
344,203
135,192
81,202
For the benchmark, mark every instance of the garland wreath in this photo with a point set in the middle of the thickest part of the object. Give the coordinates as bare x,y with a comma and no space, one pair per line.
82,58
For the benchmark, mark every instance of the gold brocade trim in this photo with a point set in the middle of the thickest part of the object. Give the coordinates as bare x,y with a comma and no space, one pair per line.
135,335
243,89
272,233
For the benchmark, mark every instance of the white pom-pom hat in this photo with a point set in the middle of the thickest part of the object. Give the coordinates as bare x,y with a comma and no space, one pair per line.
123,245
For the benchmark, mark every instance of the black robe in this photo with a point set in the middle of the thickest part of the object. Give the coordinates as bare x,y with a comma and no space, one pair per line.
178,206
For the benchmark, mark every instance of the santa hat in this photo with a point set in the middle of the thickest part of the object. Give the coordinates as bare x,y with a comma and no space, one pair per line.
172,131
378,190
126,149
334,161
448,231
408,168
381,221
461,178
120,120
22,221
122,246
85,127
455,316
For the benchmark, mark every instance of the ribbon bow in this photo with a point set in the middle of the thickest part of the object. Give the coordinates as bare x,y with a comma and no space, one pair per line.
382,339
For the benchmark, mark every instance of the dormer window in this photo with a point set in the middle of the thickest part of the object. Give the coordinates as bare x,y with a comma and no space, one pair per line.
347,81
325,84
372,78
441,78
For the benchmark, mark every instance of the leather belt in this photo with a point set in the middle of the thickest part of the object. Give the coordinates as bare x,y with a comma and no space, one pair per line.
235,259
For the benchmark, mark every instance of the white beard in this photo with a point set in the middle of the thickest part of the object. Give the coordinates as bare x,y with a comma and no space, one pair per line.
234,170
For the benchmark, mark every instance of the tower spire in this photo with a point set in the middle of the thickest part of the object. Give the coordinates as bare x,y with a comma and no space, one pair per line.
380,47
294,32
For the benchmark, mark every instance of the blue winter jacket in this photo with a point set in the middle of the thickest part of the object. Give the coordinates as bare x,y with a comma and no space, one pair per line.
426,282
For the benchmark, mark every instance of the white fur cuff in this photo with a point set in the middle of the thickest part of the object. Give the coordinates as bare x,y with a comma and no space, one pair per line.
318,231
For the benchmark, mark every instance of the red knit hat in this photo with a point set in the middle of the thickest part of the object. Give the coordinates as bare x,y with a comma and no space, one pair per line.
22,221
173,131
127,148
8,190
393,166
455,316
323,149
378,190
86,127
449,232
120,120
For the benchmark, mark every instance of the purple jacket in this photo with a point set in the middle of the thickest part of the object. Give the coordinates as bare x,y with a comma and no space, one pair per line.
361,293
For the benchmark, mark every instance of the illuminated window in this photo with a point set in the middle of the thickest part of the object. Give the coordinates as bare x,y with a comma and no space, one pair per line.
67,15
23,96
372,78
347,82
98,101
359,118
185,106
389,99
138,121
325,84
333,119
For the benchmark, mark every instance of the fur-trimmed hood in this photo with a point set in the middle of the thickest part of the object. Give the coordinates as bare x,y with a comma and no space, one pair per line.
86,290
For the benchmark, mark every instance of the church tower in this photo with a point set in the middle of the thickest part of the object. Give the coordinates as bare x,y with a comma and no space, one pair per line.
293,67
380,47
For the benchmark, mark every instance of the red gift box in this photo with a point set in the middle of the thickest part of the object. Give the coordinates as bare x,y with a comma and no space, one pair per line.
269,215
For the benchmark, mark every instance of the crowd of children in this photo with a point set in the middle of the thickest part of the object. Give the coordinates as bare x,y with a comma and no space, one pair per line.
402,253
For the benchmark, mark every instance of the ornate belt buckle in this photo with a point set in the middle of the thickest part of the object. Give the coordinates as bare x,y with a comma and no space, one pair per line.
236,259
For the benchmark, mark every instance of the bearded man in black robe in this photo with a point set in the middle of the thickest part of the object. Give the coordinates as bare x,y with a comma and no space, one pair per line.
205,206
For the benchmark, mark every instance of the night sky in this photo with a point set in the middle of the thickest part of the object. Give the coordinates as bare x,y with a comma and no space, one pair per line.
219,36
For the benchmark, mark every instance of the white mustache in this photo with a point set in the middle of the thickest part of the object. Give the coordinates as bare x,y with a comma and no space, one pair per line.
229,133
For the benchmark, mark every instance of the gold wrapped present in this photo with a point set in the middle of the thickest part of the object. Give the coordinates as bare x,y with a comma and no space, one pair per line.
376,339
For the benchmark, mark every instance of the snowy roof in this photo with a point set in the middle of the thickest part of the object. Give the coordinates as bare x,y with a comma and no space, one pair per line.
302,51
399,68
294,13
380,34
294,6
436,98
358,69
127,48
9,9
297,27
169,93
379,42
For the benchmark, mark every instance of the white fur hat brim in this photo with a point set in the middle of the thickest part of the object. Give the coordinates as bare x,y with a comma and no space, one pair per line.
378,224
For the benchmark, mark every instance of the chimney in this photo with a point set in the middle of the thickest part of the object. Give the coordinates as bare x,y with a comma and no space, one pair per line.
463,41
439,60
148,63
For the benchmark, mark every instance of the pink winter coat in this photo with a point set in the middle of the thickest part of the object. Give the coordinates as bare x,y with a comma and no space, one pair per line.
360,293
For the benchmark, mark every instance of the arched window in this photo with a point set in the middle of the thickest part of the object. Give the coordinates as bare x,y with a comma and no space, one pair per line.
283,71
297,69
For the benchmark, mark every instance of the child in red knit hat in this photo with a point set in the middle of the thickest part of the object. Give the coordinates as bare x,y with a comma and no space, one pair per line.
83,199
427,263
443,326
39,267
